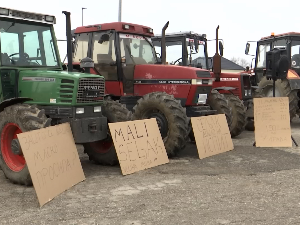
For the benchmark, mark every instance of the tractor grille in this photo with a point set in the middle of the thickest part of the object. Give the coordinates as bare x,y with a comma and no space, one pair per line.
96,85
66,91
201,90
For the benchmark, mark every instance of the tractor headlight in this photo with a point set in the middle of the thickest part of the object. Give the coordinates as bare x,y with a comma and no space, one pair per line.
196,81
79,110
246,92
97,109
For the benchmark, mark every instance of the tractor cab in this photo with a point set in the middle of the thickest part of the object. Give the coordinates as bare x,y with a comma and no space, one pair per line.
288,41
190,49
184,49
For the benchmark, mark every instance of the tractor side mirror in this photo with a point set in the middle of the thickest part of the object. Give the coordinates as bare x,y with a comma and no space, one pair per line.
221,48
104,38
247,48
196,44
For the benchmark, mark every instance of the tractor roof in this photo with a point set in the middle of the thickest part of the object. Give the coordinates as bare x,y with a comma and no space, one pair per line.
30,16
281,35
182,33
117,26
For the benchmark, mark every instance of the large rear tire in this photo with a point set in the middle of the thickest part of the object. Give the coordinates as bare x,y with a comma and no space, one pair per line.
171,118
282,89
219,102
16,119
238,115
103,152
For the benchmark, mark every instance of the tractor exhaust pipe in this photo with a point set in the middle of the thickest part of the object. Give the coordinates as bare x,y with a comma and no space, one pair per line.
69,40
163,44
217,58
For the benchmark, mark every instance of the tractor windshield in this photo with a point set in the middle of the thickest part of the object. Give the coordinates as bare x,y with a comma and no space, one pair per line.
196,59
27,44
137,49
174,52
295,54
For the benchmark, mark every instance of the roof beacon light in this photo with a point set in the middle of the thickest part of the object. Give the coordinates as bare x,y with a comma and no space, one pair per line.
49,19
126,26
272,34
4,12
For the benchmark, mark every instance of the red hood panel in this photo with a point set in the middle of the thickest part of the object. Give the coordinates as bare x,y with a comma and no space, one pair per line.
158,71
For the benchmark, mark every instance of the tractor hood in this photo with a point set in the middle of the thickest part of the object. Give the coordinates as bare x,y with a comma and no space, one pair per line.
158,71
59,87
56,74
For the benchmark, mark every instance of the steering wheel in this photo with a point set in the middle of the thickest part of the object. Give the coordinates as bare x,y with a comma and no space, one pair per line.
176,61
24,57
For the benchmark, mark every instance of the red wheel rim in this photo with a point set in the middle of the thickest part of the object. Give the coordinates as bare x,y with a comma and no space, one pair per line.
15,162
102,146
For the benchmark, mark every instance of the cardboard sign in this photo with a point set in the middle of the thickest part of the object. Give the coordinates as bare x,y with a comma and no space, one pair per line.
272,122
138,144
212,135
52,160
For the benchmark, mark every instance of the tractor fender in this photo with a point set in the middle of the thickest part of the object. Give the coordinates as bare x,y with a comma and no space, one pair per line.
13,101
225,89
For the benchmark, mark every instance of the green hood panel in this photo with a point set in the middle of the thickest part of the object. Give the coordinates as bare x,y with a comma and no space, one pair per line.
57,87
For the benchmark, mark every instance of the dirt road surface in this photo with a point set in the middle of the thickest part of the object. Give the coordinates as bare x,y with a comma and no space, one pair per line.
245,186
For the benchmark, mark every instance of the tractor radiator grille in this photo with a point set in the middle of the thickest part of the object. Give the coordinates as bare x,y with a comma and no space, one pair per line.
201,90
88,88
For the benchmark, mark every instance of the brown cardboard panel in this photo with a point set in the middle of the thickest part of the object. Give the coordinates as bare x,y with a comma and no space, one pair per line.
52,160
212,135
272,122
138,144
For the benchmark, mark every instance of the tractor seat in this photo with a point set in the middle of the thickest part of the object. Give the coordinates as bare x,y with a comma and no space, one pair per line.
105,69
5,60
139,60
104,58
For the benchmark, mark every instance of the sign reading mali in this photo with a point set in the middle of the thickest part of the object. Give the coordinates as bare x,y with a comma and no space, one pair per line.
272,122
138,144
52,160
212,135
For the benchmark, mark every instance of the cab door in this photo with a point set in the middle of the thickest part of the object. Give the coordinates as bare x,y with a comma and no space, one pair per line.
105,61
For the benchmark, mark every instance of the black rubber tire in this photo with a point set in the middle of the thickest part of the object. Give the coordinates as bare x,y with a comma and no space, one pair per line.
238,115
28,118
250,121
284,89
174,113
219,102
115,112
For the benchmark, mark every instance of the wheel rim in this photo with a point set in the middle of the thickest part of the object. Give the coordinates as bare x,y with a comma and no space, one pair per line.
15,162
162,121
103,146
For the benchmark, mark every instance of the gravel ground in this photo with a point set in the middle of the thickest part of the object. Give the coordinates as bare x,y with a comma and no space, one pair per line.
245,186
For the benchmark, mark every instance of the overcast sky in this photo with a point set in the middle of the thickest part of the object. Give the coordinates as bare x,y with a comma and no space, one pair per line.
239,20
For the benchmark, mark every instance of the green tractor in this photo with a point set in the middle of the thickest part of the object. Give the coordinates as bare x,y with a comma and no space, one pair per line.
36,93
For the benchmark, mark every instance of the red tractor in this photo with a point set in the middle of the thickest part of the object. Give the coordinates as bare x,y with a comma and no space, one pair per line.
124,54
235,86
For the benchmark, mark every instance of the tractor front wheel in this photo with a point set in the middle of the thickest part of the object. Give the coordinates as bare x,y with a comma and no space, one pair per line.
219,102
104,152
238,115
170,116
14,120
